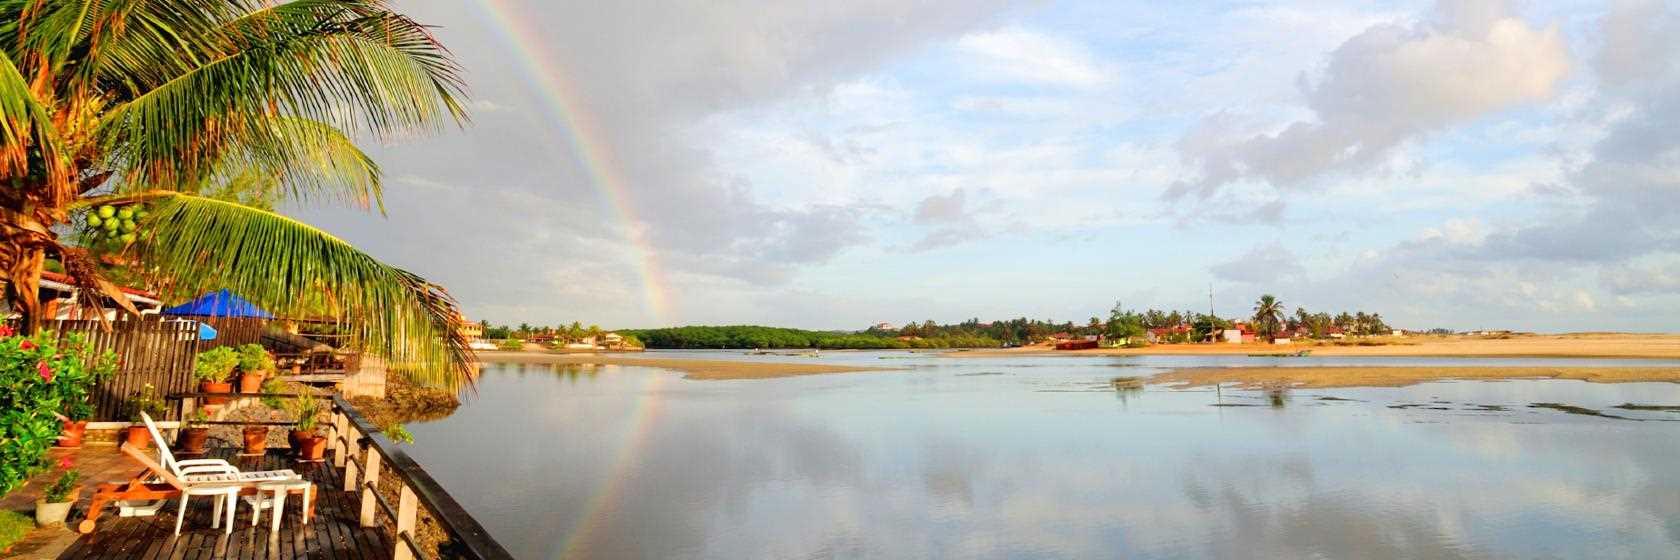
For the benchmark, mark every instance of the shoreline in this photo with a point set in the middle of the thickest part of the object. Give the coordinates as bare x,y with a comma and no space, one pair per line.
704,370
1580,345
1329,377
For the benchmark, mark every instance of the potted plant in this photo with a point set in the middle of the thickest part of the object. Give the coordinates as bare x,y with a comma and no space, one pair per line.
54,504
144,401
195,434
75,390
255,364
305,442
214,368
75,420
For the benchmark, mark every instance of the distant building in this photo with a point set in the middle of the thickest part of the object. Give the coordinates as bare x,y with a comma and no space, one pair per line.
470,330
885,327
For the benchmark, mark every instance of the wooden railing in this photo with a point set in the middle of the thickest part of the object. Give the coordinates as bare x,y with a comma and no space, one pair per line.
363,455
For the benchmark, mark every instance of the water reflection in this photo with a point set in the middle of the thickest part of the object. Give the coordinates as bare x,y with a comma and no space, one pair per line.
1020,459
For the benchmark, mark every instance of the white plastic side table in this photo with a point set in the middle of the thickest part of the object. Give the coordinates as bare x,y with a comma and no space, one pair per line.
272,495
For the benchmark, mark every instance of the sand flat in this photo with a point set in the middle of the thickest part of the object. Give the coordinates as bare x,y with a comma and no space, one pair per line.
1400,376
693,369
1577,345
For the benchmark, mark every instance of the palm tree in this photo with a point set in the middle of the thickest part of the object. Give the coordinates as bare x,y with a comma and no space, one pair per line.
197,117
1268,316
594,333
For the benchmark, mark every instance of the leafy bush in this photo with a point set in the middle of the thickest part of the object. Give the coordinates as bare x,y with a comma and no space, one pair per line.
398,433
273,386
145,400
13,527
39,379
215,365
254,358
511,344
59,492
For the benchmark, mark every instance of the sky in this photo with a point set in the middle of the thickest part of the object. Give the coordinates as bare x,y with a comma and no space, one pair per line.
832,165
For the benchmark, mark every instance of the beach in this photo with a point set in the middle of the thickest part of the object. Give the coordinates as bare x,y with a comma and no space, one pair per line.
1401,376
693,369
1575,345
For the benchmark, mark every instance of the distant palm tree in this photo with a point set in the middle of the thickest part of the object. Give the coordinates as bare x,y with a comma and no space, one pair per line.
1268,316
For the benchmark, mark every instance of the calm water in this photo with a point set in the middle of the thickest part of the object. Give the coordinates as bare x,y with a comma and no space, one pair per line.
1041,458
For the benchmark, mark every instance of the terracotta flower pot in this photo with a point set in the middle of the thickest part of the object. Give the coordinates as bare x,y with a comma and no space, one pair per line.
295,438
71,435
214,403
193,439
251,381
137,437
312,448
256,439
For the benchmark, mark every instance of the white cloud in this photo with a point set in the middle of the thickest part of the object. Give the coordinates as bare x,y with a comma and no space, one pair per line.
1382,87
1015,53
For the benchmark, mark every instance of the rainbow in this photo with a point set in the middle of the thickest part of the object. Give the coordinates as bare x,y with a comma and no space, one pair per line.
563,107
606,500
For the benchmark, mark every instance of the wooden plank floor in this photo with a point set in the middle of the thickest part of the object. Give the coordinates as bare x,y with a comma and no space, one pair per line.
334,534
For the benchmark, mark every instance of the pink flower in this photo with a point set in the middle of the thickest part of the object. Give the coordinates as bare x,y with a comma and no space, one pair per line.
26,344
46,372
65,462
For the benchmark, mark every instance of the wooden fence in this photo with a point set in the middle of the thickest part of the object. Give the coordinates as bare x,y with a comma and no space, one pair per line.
230,331
149,350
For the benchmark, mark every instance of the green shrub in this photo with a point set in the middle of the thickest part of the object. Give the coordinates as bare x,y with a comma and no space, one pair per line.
59,492
39,379
398,433
273,386
145,400
511,344
215,365
13,527
253,357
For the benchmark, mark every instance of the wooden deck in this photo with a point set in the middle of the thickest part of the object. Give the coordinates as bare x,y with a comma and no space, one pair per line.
334,534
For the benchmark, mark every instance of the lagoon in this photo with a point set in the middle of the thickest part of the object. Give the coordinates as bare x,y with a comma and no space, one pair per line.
1041,457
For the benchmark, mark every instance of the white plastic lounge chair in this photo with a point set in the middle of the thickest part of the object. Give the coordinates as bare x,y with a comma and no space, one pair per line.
209,477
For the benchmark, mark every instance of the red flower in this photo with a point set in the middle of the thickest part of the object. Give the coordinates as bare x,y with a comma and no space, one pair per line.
26,344
65,463
46,372
6,331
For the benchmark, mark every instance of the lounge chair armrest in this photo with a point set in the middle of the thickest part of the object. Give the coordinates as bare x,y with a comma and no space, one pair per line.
198,462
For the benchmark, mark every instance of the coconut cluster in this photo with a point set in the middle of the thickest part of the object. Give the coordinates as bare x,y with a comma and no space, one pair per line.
114,224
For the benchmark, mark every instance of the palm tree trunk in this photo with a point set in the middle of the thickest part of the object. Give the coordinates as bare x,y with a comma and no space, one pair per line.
23,282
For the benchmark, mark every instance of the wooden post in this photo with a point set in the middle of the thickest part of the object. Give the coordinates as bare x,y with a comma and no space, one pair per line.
407,509
370,480
350,468
335,442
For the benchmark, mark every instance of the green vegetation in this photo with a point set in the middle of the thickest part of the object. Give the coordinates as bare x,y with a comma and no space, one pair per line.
747,336
147,401
13,527
215,365
397,433
60,489
254,358
151,142
39,378
1268,316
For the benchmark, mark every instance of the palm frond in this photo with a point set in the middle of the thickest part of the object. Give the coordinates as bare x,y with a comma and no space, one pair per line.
292,160
28,142
357,67
192,244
